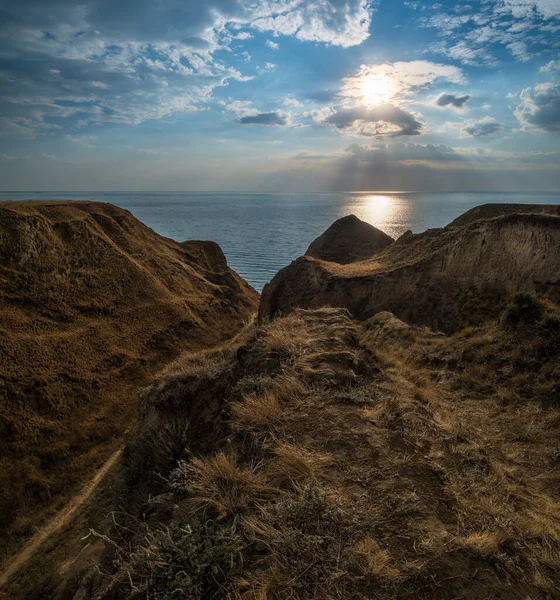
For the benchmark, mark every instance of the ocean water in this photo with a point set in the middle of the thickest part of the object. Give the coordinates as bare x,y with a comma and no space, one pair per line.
261,233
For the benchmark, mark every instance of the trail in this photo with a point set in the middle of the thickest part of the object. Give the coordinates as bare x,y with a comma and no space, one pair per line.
60,520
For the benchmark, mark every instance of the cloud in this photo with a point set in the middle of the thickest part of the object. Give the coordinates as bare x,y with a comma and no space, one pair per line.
522,8
83,141
243,35
539,109
267,67
464,52
291,102
482,128
457,102
339,22
395,81
519,50
401,152
68,64
270,118
473,33
385,120
272,45
553,65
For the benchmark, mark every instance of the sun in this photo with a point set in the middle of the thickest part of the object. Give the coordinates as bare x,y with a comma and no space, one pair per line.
376,89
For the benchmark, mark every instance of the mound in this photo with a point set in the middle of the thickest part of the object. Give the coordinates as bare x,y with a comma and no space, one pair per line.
92,303
444,278
326,458
348,240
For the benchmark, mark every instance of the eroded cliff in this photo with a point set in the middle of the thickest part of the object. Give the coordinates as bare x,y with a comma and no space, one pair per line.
444,278
92,303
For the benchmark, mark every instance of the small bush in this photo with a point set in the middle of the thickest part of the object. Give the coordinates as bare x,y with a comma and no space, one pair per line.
182,563
522,310
303,537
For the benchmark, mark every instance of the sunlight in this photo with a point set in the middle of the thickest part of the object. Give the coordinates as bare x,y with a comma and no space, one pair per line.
376,89
377,209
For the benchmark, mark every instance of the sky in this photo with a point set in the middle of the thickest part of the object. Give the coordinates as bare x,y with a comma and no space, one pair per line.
280,95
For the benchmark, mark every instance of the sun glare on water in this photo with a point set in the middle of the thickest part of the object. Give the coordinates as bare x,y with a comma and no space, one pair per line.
377,209
376,89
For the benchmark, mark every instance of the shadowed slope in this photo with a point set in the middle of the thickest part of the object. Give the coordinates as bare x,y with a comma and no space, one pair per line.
92,302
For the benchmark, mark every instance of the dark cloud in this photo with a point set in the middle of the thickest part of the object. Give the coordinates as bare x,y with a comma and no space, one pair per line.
385,120
540,107
482,128
454,101
271,118
403,152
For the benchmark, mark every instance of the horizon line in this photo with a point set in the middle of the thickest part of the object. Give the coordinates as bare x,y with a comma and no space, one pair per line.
257,192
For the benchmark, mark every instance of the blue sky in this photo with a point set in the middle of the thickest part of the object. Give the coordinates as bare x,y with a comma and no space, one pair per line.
280,95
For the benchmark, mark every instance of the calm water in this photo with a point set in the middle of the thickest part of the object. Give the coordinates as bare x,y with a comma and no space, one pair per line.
261,233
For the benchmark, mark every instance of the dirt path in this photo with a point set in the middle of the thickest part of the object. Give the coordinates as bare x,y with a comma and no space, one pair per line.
59,521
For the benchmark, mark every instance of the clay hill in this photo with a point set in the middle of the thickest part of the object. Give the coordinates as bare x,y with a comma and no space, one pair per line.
348,240
443,278
92,304
320,456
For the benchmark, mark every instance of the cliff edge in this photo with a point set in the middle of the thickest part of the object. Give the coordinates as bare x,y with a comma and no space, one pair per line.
443,278
92,303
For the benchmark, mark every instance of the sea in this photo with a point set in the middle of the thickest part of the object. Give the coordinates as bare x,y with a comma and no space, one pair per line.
261,233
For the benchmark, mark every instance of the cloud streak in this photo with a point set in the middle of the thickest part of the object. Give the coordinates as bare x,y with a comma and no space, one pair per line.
270,118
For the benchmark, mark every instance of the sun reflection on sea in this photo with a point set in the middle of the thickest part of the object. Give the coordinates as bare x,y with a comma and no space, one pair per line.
377,209
384,211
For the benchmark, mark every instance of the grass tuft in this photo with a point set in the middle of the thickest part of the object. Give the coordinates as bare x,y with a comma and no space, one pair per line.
257,412
219,485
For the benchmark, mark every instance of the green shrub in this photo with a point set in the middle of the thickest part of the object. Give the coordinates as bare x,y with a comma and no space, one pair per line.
523,310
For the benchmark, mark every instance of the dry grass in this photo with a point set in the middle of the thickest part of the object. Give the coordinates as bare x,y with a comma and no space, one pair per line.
373,560
257,413
295,465
286,337
220,486
407,483
485,543
92,304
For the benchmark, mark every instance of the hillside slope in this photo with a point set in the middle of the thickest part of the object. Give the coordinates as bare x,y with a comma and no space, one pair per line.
92,303
444,278
324,458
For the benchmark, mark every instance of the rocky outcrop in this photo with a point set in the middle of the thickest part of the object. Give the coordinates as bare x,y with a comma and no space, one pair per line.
348,240
92,303
443,278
